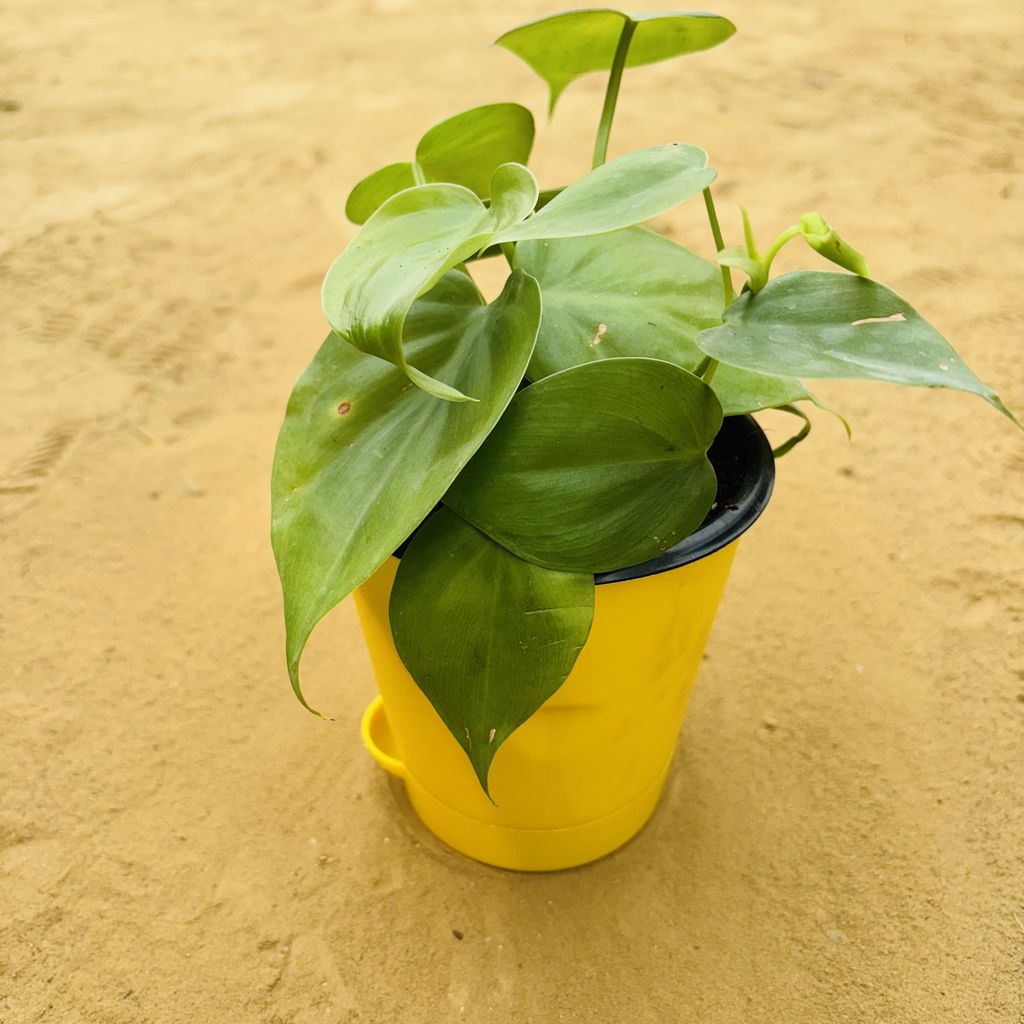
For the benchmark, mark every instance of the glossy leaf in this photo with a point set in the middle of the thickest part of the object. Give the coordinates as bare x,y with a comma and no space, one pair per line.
635,293
401,252
562,47
363,456
597,467
463,150
814,324
487,637
377,188
467,149
621,193
823,239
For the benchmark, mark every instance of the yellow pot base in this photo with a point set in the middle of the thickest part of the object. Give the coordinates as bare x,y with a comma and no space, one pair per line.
519,849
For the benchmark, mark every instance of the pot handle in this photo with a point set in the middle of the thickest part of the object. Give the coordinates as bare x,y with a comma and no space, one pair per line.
378,738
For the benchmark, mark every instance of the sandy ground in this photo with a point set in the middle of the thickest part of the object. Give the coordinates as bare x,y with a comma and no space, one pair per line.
179,842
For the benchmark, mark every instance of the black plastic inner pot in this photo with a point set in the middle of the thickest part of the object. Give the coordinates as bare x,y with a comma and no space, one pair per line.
745,468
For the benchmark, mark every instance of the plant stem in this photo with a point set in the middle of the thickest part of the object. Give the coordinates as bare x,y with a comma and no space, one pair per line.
508,250
706,369
611,94
777,245
716,233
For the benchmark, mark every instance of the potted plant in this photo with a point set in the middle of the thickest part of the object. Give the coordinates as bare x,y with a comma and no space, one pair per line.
536,500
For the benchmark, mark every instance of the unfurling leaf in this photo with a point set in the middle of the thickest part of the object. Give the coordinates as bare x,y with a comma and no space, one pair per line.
486,636
363,456
597,467
562,47
823,239
816,324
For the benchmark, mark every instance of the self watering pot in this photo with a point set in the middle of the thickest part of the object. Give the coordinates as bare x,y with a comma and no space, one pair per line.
584,773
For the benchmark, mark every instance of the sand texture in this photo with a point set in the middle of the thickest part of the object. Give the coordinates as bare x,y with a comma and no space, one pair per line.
180,843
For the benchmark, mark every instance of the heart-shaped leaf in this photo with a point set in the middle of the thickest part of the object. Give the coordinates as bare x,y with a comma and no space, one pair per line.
487,637
362,456
401,252
597,467
635,293
817,324
463,150
621,193
562,47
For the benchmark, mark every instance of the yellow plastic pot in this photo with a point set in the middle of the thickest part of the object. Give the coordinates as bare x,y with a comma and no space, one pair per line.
584,773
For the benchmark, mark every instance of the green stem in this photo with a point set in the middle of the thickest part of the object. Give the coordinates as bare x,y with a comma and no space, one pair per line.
716,233
777,245
611,95
706,369
508,250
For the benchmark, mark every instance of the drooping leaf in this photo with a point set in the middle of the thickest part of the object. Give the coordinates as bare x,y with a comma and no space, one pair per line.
401,252
823,239
375,189
816,324
467,149
363,456
487,637
801,435
463,150
620,193
598,467
562,47
635,293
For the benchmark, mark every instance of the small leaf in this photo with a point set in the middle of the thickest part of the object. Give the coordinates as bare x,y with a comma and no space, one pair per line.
377,188
487,637
620,193
801,435
822,238
597,467
815,324
463,150
466,149
635,293
737,257
363,456
562,47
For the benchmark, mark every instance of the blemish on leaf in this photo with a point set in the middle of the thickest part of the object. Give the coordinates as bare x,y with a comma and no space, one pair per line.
601,331
943,366
491,735
344,408
469,739
895,318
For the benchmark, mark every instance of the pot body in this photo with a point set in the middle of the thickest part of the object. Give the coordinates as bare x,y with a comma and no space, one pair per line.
584,773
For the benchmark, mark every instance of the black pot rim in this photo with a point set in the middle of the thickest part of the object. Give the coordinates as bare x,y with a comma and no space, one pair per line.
741,448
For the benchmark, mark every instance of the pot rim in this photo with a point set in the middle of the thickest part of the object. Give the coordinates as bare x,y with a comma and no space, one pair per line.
742,441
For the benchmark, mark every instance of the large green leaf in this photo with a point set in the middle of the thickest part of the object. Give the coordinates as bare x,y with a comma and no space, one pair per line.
487,637
405,247
635,293
362,456
402,251
562,47
817,324
463,150
619,194
597,467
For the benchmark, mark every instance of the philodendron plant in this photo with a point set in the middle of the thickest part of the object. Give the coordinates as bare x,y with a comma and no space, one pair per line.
520,446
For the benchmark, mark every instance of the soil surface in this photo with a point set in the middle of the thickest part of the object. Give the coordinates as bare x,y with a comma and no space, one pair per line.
841,836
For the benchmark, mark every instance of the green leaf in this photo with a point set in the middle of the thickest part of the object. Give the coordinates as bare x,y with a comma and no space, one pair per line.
635,293
597,467
815,324
463,150
362,456
468,148
737,257
375,189
562,47
823,239
626,293
620,193
801,435
402,251
487,637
